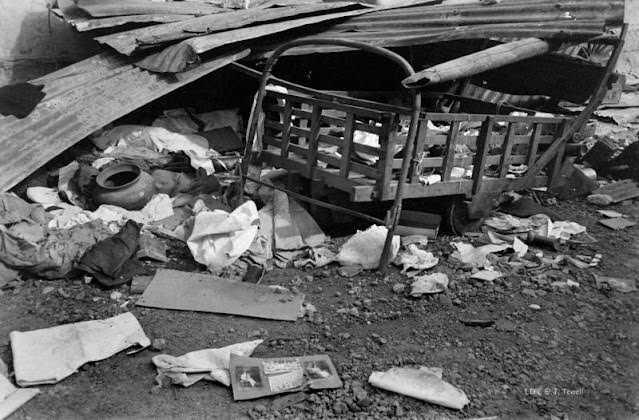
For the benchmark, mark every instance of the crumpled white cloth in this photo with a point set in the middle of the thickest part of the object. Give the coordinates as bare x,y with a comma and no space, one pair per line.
160,207
429,283
157,140
219,238
539,223
416,259
208,364
365,248
49,355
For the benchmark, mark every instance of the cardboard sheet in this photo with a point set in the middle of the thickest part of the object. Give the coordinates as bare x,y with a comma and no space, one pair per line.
171,289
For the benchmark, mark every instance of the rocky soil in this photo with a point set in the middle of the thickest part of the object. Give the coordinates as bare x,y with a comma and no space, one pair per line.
573,354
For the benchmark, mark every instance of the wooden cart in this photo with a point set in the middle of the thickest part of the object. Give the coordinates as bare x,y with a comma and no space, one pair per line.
358,146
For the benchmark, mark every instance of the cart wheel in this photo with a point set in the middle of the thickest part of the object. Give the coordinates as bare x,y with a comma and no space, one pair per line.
456,218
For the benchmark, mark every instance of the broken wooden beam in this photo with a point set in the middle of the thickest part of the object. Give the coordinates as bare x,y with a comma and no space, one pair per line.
478,62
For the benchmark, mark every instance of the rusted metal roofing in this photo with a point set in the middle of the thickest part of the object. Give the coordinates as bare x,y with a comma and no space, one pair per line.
79,100
129,42
419,25
182,55
82,21
108,8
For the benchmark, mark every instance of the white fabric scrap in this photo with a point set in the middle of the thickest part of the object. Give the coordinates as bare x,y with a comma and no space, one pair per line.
424,384
365,248
477,257
208,364
429,283
219,238
416,259
160,207
156,141
49,355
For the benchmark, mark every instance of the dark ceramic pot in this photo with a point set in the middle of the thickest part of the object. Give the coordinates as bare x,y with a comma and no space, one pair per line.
125,186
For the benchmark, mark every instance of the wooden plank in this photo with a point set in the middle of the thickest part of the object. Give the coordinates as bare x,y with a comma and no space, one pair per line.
441,139
349,128
480,156
385,162
507,146
554,167
332,105
458,187
438,162
185,291
620,190
534,144
314,137
449,154
286,133
415,169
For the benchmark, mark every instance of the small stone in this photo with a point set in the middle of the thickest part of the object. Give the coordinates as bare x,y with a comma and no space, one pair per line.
399,288
158,344
529,292
115,295
599,199
345,336
260,408
339,408
337,294
47,290
308,277
354,311
457,302
254,333
534,306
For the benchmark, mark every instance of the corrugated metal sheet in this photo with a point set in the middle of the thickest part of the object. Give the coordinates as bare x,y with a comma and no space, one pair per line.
81,99
108,8
131,41
180,56
564,31
611,11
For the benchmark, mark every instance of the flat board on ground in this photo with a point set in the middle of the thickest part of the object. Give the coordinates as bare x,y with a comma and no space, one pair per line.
172,289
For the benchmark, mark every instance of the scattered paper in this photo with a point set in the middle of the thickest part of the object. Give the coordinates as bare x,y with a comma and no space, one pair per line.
610,213
12,398
49,355
477,257
617,223
425,384
619,284
207,364
365,248
414,258
429,283
254,378
486,275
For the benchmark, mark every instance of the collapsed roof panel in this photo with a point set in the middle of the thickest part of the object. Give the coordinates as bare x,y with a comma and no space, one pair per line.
129,42
108,8
81,99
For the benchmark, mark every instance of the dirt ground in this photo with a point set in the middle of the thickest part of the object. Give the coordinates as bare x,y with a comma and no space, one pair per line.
575,358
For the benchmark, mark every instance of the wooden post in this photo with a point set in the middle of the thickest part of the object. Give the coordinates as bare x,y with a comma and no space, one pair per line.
449,157
507,147
286,132
349,129
483,141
